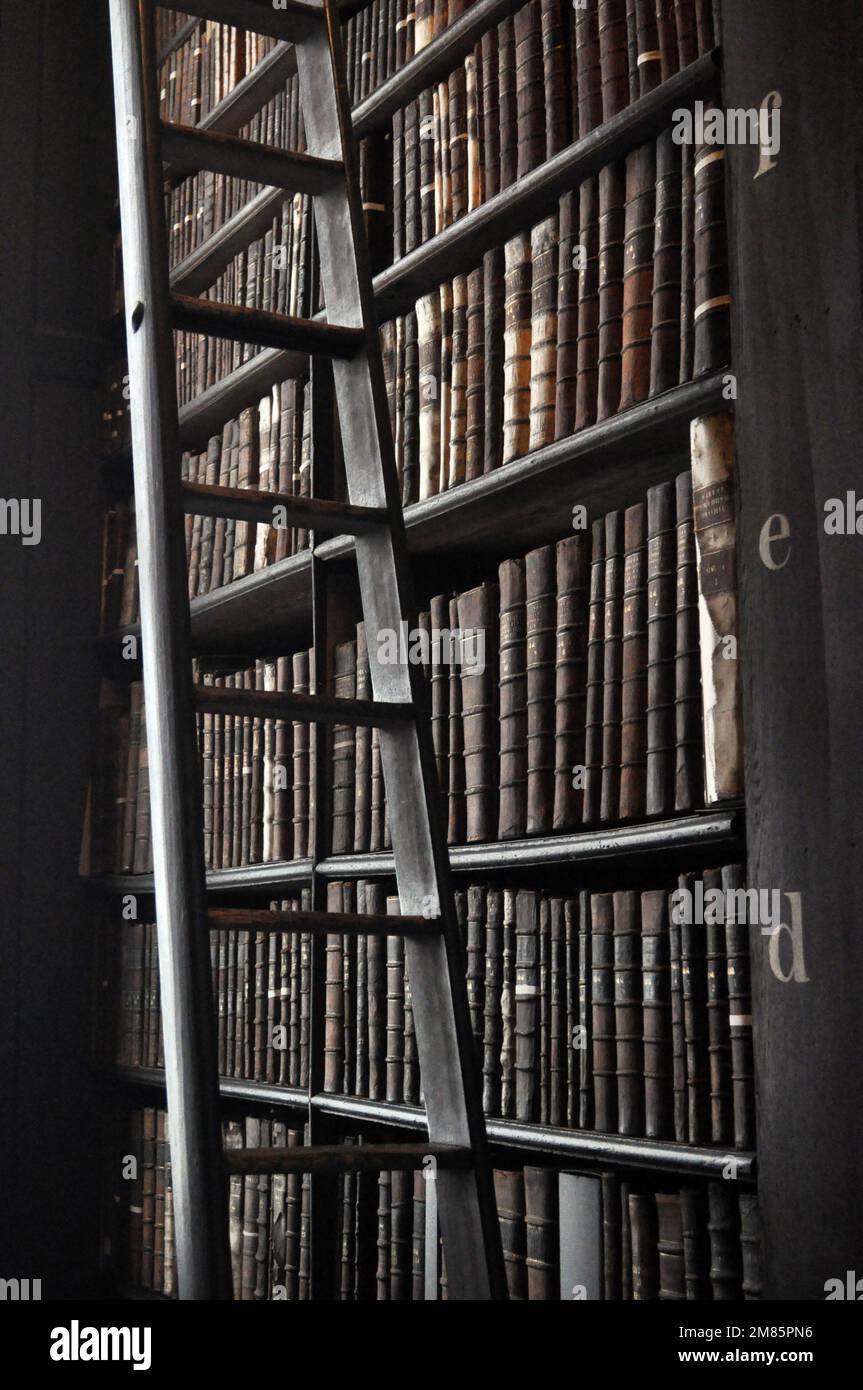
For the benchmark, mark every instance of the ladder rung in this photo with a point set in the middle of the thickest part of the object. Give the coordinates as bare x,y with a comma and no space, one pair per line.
263,329
346,923
277,704
347,1158
249,504
293,20
188,149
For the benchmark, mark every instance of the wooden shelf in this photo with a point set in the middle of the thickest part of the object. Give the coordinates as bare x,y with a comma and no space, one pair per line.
570,1145
710,830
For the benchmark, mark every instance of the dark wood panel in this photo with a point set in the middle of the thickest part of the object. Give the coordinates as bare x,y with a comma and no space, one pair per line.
798,349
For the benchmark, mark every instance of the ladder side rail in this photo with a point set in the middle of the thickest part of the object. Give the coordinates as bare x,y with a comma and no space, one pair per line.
467,1209
199,1184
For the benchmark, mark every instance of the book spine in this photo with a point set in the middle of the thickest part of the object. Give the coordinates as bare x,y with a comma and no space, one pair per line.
478,616
696,1256
395,1012
628,1014
568,280
513,701
667,268
661,578
508,1007
649,53
588,69
612,187
541,1233
362,753
726,1270
612,666
527,995
544,332
693,978
428,314
555,107
739,1010
517,346
475,377
718,1028
638,245
573,578
602,1012
656,1003
509,1197
712,299
455,747
594,681
492,1036
687,36
457,460
633,743
585,1013
540,585
613,57
508,124
558,1040
716,546
672,1285
645,1253
689,772
494,294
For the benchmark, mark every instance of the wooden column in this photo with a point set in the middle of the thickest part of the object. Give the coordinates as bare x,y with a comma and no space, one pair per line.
798,352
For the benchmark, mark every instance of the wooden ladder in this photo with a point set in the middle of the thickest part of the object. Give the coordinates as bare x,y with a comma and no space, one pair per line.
456,1154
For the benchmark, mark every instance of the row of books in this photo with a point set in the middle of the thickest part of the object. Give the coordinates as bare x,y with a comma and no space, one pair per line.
603,1011
198,73
597,682
565,1236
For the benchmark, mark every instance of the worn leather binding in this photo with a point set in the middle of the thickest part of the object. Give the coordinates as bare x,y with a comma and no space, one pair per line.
455,749
475,377
718,1026
687,35
541,1230
455,472
588,69
532,116
555,103
612,1276
638,247
362,753
540,660
334,1004
672,1282
429,384
687,262
445,383
457,138
716,546
492,1029
439,695
509,1196
411,474
656,1003
612,666
544,1077
678,1034
507,1007
343,755
665,327
573,579
567,318
613,57
740,1014
726,1269
633,728
649,56
513,701
543,332
411,142
527,998
602,1013
594,681
475,954
693,977
559,1036
517,341
395,1009
645,1252
489,111
301,761
475,170
696,1254
508,125
751,1246
628,1014
478,613
712,313
689,773
705,26
611,266
661,614
493,279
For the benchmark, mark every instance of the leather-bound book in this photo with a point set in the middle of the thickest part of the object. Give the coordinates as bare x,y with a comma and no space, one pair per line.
400,1235
540,609
726,1266
361,1001
645,1254
594,682
247,477
689,739
493,984
584,1098
399,394
718,1027
428,141
602,1012
541,1232
489,111
395,1015
612,666
475,377
638,274
494,294
544,1009
513,701
666,34
661,614
418,1238
136,737
249,1246
687,262
687,36
398,149
411,475
478,614
301,763
344,688
633,737
509,1196
457,138
143,856
428,314
696,1253
612,189
704,21
439,692
612,1274
587,357
507,1007
475,166
672,1283
613,57
656,1004
712,298
517,342
508,123
739,1012
446,380
588,69
649,55
282,771
678,1034
568,278
476,902
527,997
632,52
456,805
716,548
558,1039
349,997
628,1014
382,1272
573,581
376,978
693,978
665,328
543,333
750,1246
412,234
457,460
556,113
